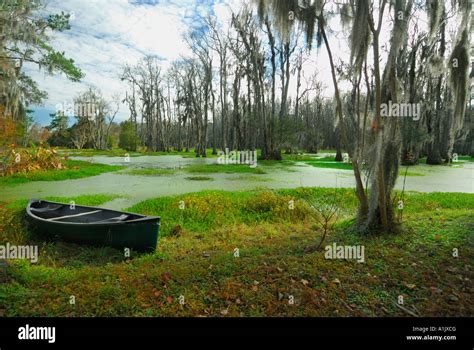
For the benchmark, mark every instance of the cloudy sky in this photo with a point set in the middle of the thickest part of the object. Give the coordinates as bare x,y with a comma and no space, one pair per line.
106,34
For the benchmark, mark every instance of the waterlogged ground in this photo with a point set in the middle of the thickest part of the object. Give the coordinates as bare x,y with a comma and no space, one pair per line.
273,274
147,177
428,262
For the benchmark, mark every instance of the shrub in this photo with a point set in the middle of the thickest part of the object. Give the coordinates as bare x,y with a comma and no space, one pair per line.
128,138
268,205
30,160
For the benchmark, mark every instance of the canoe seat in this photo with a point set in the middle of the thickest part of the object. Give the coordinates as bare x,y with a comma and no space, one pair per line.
74,216
46,209
122,217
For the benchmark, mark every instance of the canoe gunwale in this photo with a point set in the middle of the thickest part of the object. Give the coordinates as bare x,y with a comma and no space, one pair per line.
142,219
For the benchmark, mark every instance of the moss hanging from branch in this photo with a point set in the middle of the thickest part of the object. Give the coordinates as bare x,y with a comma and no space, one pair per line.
435,9
360,34
286,13
459,77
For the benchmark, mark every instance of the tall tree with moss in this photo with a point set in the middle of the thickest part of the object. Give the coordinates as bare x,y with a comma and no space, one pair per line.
24,37
459,74
383,140
312,15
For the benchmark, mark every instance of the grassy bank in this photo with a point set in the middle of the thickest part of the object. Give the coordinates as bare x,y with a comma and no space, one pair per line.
196,262
118,152
76,169
223,168
329,162
149,172
264,167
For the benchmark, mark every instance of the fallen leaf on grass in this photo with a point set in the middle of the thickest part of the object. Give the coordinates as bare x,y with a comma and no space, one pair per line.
166,277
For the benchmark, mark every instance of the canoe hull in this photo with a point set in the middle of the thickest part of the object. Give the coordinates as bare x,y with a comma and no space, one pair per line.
138,235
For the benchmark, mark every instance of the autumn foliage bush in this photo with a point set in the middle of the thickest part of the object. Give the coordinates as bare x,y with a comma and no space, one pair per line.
30,160
8,129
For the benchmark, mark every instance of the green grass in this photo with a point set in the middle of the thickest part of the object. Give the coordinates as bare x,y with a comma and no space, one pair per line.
402,172
88,200
149,172
248,178
223,168
75,170
263,167
211,209
192,154
199,178
328,162
437,201
198,263
195,259
117,152
461,159
466,158
299,157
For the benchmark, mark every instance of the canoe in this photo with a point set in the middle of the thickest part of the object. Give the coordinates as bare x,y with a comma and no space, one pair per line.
93,226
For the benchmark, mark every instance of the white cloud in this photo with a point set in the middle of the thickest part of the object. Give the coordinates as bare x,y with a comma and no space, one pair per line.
106,34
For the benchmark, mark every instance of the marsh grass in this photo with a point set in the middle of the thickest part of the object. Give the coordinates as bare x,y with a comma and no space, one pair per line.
199,178
149,172
330,163
117,152
76,169
198,262
223,168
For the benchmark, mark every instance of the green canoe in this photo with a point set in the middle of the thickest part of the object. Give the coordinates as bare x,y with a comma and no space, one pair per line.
94,226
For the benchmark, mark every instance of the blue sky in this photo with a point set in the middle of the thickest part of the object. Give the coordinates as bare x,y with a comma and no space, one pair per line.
106,34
